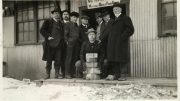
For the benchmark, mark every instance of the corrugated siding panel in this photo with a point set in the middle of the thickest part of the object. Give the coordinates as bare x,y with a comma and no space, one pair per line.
26,62
150,56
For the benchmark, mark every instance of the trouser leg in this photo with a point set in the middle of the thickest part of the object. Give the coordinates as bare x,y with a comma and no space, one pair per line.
57,61
104,69
48,69
123,69
75,58
63,57
68,61
79,69
109,68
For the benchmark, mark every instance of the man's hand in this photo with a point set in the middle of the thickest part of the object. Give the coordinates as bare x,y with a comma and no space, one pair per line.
50,38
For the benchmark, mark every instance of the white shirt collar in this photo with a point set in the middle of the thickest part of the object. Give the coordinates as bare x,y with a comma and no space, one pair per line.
84,25
55,19
65,21
117,15
100,23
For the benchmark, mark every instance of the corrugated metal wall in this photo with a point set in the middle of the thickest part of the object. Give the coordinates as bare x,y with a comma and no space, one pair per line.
151,56
26,62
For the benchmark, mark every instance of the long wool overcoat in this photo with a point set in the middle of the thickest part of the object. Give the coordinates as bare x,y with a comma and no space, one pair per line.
45,31
117,48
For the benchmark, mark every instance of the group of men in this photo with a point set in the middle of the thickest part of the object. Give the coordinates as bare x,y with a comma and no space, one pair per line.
67,44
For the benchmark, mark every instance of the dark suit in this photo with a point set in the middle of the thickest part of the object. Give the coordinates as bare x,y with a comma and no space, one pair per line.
105,30
117,48
71,36
52,49
83,35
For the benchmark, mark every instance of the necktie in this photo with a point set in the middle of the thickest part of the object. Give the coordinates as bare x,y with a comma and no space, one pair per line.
76,24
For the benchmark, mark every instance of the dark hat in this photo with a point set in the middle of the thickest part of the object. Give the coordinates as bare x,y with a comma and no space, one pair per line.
74,14
85,17
117,4
65,11
55,10
104,13
97,14
91,30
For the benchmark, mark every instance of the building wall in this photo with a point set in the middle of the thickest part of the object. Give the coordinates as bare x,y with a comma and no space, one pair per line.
151,56
22,61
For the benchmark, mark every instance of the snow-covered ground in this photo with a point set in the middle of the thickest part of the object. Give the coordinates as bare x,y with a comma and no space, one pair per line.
15,90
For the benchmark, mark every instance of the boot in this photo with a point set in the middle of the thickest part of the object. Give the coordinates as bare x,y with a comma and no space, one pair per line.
47,76
57,75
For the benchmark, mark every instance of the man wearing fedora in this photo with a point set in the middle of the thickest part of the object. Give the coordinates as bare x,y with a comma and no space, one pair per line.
52,31
71,34
90,46
104,33
117,47
83,28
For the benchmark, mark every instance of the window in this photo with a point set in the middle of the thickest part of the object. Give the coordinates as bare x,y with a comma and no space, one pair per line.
168,18
44,11
29,19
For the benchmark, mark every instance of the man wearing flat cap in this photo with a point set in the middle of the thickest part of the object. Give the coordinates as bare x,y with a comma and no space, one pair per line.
90,46
117,47
52,31
71,34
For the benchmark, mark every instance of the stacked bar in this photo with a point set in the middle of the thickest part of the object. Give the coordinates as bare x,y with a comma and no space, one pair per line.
92,70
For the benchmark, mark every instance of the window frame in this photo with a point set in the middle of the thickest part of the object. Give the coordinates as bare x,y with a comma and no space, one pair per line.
159,11
35,21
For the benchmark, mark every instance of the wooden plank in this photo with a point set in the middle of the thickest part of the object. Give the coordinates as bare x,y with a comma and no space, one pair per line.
158,82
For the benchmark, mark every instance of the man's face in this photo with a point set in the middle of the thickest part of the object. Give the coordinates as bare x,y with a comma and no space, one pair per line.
106,18
92,36
117,10
84,21
74,19
99,20
65,16
56,15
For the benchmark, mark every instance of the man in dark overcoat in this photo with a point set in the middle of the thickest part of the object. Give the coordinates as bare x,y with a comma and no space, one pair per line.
71,34
117,48
53,33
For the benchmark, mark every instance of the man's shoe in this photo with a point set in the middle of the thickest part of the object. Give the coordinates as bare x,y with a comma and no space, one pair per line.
110,77
47,76
122,79
58,77
68,77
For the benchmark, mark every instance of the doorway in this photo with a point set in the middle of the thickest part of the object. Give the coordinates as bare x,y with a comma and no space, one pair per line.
92,21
